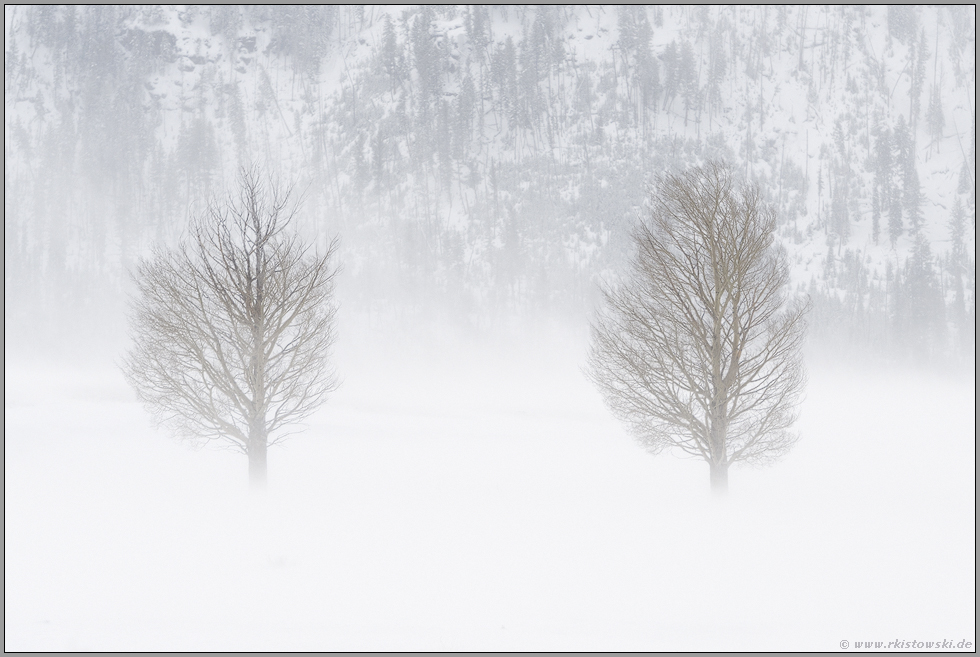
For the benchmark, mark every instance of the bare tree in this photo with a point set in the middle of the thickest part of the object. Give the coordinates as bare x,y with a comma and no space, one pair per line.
232,329
699,349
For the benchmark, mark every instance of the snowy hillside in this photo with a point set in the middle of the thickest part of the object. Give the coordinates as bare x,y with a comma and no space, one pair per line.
492,160
466,487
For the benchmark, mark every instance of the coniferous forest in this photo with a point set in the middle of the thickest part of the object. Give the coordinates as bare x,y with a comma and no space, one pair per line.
485,320
489,162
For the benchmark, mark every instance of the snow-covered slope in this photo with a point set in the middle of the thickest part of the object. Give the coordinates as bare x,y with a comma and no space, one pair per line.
493,159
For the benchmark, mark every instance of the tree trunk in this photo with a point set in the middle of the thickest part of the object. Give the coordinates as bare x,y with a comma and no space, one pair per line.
257,465
719,454
719,478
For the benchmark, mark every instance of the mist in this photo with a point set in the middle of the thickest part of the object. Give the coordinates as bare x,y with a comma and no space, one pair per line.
466,487
484,499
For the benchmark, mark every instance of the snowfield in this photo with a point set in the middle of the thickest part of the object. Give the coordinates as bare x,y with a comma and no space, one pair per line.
484,167
484,499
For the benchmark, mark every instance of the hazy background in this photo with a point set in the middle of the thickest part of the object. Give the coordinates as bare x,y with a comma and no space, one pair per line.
465,488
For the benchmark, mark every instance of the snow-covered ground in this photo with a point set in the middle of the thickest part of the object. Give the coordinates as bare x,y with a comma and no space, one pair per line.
484,499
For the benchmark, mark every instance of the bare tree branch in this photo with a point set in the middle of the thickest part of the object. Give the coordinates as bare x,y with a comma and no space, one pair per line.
232,330
699,349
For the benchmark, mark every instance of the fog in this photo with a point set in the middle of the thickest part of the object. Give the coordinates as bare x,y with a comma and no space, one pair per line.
481,498
467,487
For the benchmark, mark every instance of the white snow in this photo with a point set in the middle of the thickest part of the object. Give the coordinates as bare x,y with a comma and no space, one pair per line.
464,493
476,500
